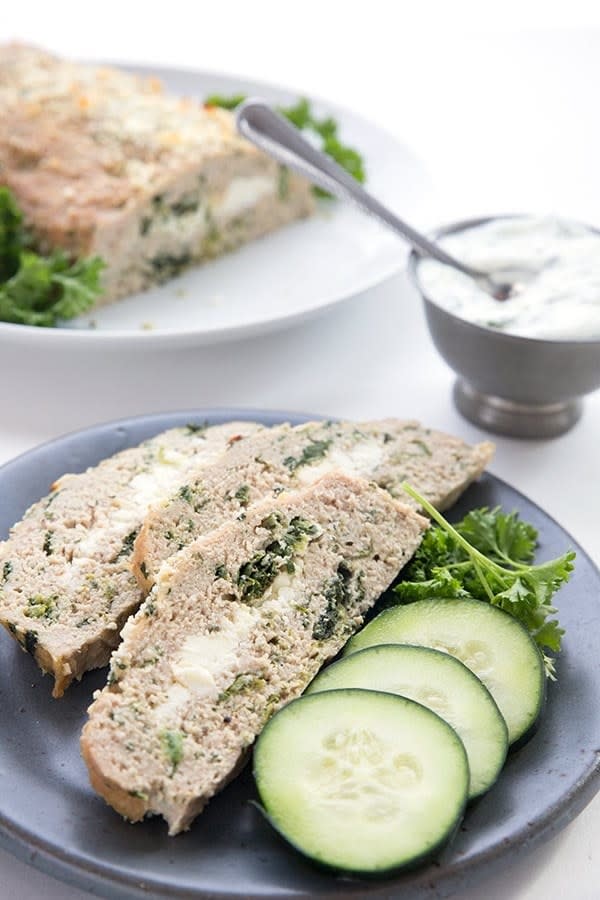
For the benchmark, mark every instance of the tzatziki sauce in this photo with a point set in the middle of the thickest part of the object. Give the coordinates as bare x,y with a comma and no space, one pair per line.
561,298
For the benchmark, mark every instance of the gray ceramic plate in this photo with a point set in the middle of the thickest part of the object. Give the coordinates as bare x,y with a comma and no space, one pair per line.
50,817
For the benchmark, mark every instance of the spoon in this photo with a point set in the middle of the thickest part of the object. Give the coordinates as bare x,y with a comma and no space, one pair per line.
269,131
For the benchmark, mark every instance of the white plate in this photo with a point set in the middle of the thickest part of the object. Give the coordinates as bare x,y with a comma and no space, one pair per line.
294,273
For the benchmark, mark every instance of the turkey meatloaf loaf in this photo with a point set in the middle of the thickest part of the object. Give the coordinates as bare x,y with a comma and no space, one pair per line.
66,586
102,162
388,451
237,625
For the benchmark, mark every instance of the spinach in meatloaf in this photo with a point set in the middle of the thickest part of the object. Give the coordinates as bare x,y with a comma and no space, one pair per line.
259,573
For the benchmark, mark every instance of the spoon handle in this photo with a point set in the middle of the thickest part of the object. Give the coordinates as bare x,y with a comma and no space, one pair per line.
269,131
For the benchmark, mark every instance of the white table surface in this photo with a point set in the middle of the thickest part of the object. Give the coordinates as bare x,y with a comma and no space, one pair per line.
503,120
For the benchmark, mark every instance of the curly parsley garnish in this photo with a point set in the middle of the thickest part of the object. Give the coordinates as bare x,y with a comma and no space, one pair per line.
35,289
488,556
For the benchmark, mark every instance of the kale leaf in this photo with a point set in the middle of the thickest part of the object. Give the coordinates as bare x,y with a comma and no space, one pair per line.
35,289
11,235
302,116
225,102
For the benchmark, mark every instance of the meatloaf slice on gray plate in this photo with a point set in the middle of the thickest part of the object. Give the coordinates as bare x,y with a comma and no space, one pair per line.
238,624
66,586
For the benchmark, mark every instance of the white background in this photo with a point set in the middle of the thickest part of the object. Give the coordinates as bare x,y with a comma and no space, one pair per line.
501,104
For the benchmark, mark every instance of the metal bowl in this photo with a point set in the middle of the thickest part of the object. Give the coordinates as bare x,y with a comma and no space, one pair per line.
520,386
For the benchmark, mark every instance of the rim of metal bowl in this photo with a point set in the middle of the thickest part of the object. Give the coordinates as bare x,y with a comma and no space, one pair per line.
464,225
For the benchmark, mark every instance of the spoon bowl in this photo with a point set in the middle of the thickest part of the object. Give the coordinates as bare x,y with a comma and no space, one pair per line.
508,283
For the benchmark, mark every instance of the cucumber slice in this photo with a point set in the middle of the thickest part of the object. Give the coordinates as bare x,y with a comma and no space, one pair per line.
439,682
489,641
361,782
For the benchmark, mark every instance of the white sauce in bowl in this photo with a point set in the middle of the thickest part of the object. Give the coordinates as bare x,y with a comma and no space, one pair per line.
560,301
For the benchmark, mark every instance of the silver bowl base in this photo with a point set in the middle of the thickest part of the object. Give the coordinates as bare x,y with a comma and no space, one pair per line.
515,419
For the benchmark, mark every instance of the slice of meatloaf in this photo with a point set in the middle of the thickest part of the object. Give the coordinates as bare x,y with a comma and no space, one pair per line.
388,452
237,625
102,162
66,586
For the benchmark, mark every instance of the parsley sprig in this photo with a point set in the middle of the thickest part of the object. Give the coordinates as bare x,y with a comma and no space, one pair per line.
302,116
36,289
488,557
